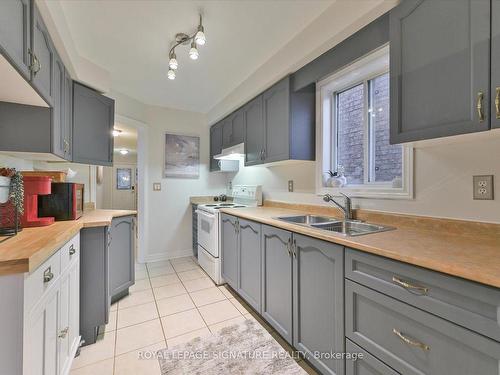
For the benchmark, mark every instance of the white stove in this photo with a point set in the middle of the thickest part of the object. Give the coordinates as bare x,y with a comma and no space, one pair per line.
209,227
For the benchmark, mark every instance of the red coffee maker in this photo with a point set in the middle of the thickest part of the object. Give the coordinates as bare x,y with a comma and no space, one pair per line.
33,187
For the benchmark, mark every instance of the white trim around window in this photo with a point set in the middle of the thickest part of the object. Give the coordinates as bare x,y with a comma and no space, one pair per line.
360,71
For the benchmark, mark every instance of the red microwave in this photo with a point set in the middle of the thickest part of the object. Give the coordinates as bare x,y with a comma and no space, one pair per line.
65,202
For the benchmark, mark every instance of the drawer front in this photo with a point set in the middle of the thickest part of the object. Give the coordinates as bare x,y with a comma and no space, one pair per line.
367,365
70,252
469,304
40,280
412,341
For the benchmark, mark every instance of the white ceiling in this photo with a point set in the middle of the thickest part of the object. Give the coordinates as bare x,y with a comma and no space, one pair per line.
131,40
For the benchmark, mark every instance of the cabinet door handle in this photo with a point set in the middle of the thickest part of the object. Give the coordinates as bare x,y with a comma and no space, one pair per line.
497,103
72,250
294,248
48,275
409,341
289,247
479,106
410,287
63,333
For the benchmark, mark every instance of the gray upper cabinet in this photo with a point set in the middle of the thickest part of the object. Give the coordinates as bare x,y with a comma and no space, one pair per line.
15,34
318,301
58,110
495,63
121,256
440,82
229,248
93,120
68,117
254,131
233,129
215,145
43,59
276,102
277,280
249,262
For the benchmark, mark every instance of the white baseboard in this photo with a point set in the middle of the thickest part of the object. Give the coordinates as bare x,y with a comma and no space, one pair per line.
166,256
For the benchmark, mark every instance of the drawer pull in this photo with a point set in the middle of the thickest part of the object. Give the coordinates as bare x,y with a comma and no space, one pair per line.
497,102
63,333
72,250
479,106
409,286
48,275
409,341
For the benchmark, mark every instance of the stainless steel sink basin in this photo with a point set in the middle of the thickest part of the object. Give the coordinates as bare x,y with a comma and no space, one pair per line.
351,228
344,227
307,219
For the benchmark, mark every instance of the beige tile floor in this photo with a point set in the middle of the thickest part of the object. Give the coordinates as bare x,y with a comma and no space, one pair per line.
171,303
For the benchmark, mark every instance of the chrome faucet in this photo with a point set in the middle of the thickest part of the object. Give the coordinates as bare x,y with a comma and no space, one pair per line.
346,208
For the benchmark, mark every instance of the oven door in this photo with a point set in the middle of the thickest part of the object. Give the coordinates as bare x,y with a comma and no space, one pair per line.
208,229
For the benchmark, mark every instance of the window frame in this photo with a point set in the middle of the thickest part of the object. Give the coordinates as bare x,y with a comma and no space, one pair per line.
359,72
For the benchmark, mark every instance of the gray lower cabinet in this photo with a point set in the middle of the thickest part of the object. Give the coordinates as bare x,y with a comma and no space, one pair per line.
277,280
495,63
121,256
229,248
469,304
215,145
365,365
43,58
15,34
412,341
194,229
440,83
249,262
93,120
254,131
95,299
318,301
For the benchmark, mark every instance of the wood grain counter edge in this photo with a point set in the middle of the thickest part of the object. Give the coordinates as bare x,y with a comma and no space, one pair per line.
33,246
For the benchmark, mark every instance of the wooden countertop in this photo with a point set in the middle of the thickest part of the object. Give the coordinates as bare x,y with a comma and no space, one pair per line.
32,246
470,256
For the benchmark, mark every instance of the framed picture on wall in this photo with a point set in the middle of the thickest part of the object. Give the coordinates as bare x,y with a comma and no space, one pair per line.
182,156
123,178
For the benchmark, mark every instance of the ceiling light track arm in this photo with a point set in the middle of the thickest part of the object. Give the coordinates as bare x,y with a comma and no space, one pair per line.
196,39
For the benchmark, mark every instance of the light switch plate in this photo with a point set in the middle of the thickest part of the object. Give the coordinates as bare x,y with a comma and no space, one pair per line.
156,186
290,186
483,187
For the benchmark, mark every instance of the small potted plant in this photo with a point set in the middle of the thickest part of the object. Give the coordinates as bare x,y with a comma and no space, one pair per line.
12,187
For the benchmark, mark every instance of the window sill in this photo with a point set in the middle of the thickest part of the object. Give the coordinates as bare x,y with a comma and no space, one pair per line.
369,192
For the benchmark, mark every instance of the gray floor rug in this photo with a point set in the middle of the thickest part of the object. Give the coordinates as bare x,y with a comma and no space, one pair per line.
245,348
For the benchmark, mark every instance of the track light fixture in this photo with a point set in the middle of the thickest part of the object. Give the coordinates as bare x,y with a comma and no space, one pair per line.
195,40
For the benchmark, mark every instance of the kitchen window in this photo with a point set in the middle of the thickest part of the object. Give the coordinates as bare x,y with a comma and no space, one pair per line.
353,114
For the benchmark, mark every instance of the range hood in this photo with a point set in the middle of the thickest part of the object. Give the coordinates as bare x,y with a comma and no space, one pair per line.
236,152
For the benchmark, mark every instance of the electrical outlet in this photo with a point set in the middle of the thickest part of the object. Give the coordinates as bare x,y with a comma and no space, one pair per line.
483,187
290,186
156,186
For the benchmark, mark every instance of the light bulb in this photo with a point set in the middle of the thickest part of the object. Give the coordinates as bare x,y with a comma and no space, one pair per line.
116,132
123,151
171,74
172,64
193,52
200,38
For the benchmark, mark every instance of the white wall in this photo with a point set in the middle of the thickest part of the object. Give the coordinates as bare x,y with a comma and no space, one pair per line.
442,178
169,212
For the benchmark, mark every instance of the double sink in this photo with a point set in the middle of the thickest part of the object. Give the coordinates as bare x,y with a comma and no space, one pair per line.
344,227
